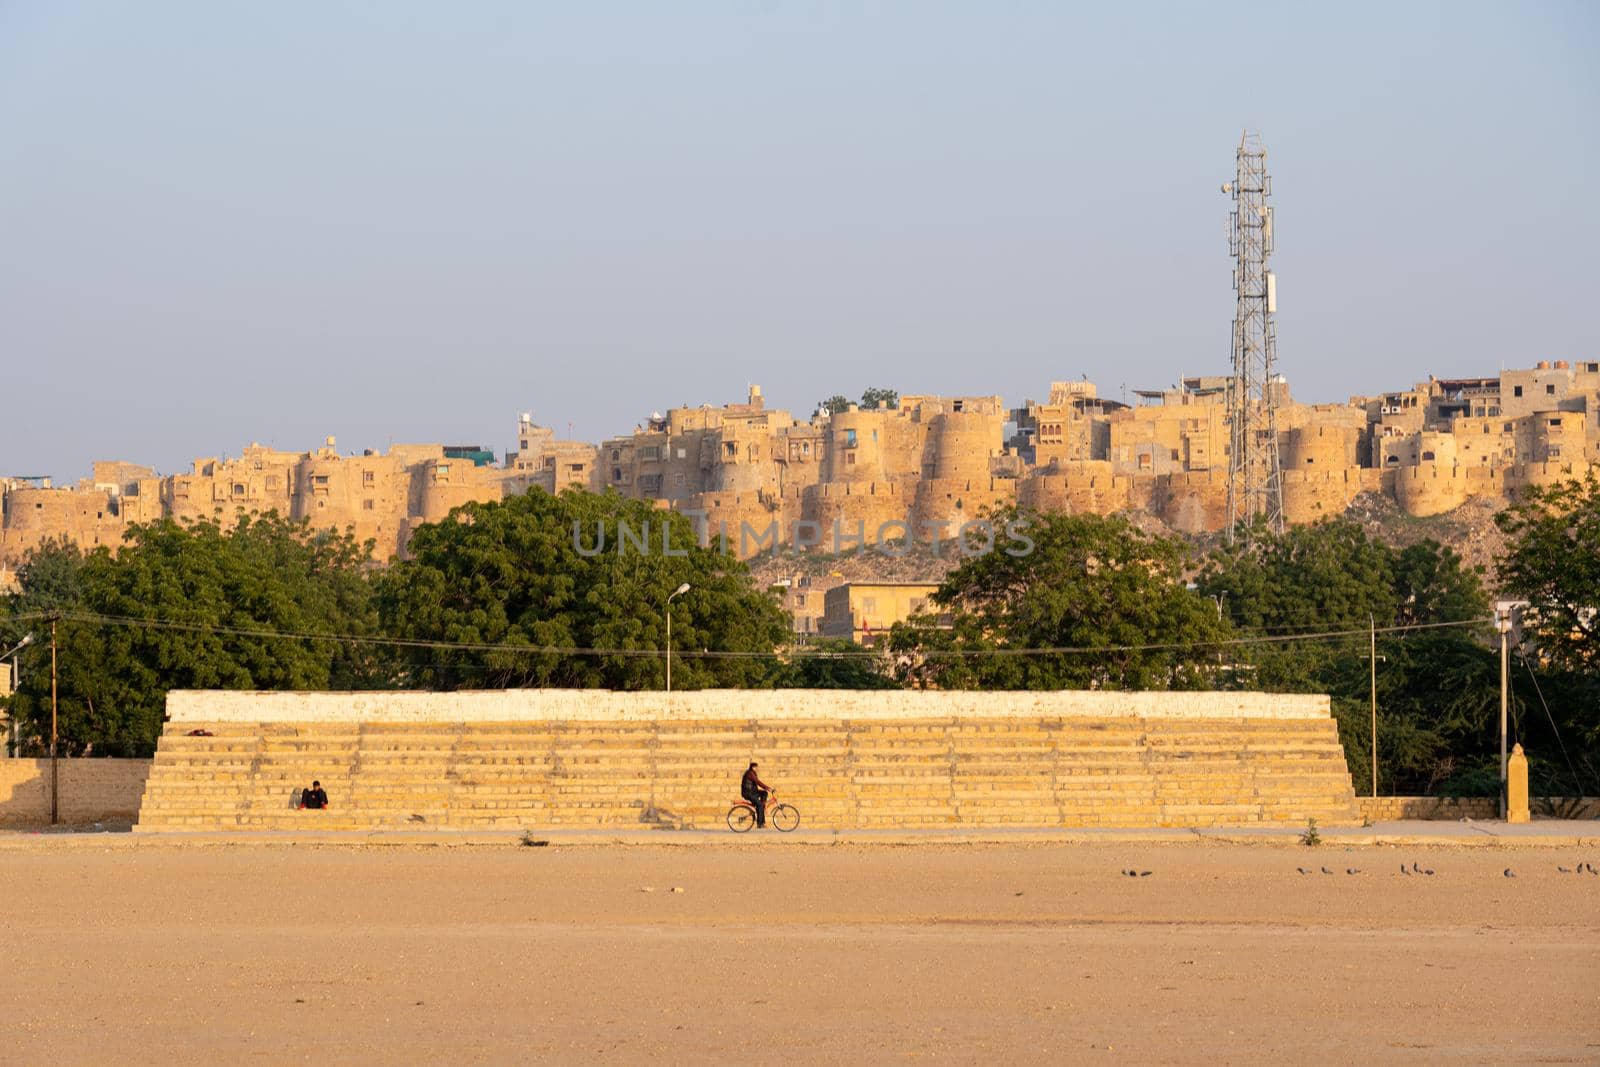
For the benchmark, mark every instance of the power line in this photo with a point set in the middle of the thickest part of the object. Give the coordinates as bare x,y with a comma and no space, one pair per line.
97,619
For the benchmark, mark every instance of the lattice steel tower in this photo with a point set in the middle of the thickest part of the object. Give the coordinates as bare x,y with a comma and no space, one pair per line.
1255,478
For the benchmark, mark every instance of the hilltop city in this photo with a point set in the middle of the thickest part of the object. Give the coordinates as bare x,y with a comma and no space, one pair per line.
909,466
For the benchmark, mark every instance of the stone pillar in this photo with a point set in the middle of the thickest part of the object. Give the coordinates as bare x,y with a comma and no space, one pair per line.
1517,786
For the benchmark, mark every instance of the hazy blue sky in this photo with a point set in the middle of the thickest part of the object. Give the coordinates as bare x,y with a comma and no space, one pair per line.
224,222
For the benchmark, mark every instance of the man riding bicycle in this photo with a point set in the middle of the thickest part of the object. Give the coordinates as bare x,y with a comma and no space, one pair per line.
753,789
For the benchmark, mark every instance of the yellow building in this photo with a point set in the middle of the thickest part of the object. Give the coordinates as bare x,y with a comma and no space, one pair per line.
864,611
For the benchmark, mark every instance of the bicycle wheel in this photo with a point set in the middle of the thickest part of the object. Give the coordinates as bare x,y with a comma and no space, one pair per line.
785,818
741,817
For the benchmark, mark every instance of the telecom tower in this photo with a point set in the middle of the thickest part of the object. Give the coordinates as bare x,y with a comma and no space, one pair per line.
1255,479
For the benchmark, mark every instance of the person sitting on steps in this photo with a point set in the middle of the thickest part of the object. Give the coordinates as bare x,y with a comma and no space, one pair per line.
315,797
755,791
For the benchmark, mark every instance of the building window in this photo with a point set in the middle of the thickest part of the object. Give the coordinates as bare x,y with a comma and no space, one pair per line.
1427,457
366,505
238,489
1174,453
616,453
1549,390
1516,390
730,449
849,459
368,478
849,439
616,474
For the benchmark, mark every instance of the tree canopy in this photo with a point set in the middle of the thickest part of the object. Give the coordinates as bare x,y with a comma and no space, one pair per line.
873,397
183,607
1089,582
1552,560
1438,689
548,578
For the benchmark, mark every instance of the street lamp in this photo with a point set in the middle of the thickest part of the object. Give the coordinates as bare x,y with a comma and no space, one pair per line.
1503,622
682,589
15,677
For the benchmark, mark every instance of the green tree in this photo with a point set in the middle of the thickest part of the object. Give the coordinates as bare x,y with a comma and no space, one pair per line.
875,397
836,663
1552,560
1437,688
569,602
184,607
1088,582
834,404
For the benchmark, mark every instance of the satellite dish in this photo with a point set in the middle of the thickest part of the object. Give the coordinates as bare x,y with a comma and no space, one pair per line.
1227,187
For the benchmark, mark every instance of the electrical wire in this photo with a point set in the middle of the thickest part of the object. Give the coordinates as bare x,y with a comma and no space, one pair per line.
1553,728
93,618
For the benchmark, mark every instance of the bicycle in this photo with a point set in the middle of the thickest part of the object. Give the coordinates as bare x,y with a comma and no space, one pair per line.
783,817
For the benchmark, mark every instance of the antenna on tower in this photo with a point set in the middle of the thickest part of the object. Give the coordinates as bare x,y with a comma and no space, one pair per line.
1255,477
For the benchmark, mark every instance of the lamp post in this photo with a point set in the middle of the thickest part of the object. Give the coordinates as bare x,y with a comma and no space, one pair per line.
682,589
16,676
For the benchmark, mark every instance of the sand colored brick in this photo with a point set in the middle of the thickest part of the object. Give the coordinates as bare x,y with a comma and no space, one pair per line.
89,790
847,759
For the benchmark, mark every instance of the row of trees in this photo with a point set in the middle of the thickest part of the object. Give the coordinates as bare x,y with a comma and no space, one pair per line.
871,397
498,596
513,593
1100,603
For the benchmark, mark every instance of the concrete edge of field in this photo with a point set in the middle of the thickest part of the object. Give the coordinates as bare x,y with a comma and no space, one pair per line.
1542,834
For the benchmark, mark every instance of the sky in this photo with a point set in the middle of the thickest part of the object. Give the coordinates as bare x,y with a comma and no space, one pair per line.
408,222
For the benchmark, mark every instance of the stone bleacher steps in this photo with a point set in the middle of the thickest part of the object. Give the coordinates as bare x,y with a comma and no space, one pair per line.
841,775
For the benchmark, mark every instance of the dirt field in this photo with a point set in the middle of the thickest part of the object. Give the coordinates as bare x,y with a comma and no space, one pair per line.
965,954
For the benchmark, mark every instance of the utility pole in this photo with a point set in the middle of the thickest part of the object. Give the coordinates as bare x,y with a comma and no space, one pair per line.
1255,478
1502,618
55,767
1372,636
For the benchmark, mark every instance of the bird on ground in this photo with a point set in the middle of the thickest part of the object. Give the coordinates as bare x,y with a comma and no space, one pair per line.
1415,868
1146,874
1591,867
1508,873
1326,871
1404,871
1302,870
1428,871
1352,870
1564,870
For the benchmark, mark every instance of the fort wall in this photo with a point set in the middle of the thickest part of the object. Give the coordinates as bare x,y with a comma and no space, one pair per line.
928,462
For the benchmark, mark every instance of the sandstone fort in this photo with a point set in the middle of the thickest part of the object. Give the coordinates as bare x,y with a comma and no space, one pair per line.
921,466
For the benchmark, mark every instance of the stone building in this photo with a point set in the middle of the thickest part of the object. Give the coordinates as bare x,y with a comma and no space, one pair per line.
864,612
918,471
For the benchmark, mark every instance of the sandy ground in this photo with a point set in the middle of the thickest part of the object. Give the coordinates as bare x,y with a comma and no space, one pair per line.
1013,953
